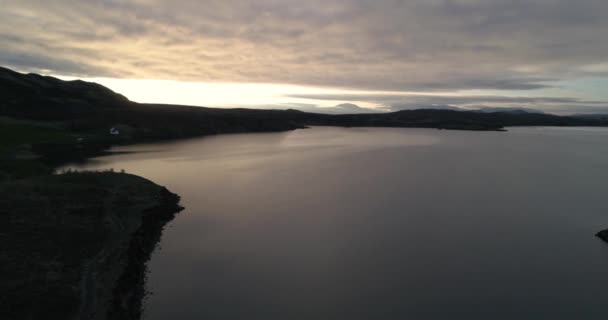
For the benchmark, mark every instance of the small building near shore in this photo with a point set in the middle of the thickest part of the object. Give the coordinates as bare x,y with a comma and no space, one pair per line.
114,131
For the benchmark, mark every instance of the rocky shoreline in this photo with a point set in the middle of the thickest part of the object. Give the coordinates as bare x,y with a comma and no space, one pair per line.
75,245
129,290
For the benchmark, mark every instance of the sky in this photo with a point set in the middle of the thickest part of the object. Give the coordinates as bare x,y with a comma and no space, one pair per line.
336,56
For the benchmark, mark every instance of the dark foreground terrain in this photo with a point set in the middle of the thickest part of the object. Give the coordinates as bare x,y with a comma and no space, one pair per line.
74,245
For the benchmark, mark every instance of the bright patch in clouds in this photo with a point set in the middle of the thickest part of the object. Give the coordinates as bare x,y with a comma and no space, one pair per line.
336,100
226,95
257,95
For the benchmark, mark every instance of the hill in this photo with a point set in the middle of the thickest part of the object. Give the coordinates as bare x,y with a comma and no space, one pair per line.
90,109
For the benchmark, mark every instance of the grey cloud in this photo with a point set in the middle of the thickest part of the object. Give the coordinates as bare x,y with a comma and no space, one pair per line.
388,45
35,62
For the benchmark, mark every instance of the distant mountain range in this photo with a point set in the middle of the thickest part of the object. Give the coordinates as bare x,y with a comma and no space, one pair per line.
507,109
92,108
599,116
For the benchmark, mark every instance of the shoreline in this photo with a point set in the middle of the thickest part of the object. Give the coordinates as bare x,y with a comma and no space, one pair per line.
128,294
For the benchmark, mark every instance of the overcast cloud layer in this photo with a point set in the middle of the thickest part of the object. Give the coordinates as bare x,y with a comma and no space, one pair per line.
415,45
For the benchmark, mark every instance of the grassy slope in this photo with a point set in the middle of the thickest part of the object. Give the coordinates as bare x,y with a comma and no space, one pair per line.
16,138
14,133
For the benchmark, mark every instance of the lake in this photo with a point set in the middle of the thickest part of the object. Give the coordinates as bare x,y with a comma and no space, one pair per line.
380,223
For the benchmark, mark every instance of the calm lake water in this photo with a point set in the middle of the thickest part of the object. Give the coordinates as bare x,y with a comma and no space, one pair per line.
372,223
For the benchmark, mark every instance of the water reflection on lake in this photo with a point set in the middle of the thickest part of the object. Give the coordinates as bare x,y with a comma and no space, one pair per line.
334,223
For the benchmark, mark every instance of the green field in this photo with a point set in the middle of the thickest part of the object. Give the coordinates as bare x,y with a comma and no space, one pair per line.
16,138
14,133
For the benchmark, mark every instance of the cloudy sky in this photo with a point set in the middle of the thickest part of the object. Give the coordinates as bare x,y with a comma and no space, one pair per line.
383,54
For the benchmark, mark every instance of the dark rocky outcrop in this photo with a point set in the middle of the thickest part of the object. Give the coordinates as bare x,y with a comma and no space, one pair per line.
74,245
603,235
